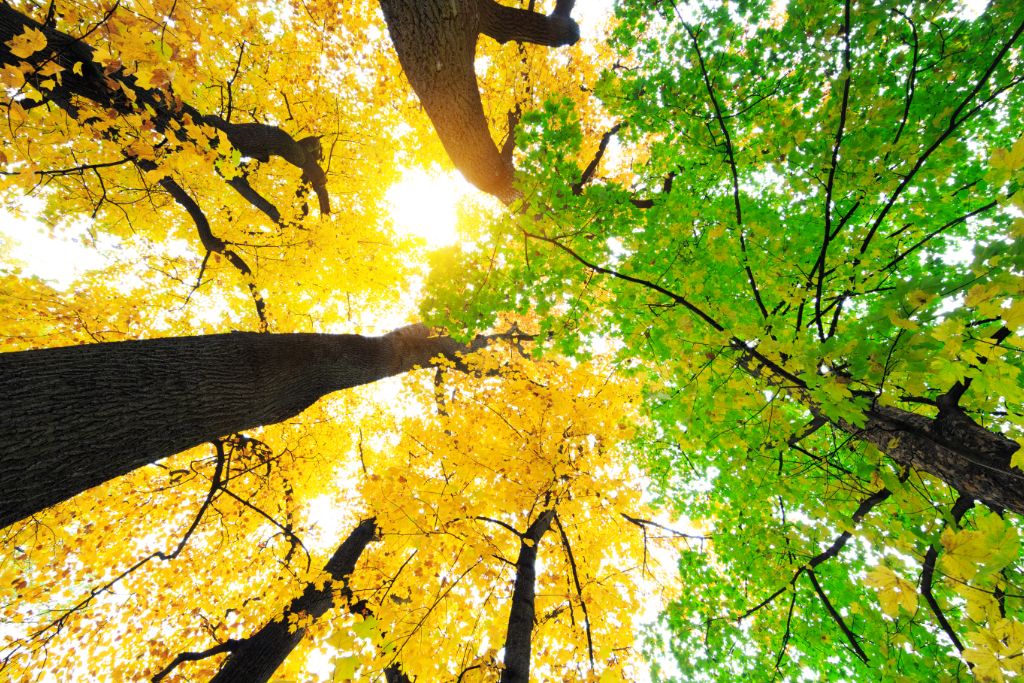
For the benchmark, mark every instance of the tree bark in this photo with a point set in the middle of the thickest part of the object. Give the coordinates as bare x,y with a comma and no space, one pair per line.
519,635
503,23
255,659
436,45
74,417
951,447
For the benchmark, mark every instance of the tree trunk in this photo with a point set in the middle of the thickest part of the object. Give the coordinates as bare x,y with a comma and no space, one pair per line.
75,417
436,45
951,447
256,658
519,635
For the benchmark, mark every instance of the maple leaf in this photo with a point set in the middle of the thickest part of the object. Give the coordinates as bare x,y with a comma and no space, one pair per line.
978,553
27,43
894,592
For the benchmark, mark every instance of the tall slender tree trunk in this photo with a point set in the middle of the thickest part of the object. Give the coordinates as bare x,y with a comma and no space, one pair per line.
72,418
519,635
256,658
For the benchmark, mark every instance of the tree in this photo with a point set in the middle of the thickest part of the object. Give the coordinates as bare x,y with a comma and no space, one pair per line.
258,656
447,521
179,134
165,126
436,43
80,415
804,227
797,227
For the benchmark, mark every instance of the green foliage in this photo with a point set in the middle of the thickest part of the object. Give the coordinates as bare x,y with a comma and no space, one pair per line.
807,212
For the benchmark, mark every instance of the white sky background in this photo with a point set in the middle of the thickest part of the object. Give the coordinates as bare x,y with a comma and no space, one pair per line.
57,256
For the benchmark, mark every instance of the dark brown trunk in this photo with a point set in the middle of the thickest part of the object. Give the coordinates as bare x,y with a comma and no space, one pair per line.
256,658
436,45
72,418
503,23
519,635
951,447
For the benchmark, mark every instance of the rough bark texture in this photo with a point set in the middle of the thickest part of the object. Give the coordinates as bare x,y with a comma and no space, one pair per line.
950,446
436,44
74,417
519,636
255,140
255,659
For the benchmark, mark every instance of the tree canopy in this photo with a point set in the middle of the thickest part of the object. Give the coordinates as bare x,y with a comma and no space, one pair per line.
752,406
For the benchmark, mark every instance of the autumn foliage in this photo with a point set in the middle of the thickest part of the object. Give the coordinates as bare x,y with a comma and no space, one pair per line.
727,387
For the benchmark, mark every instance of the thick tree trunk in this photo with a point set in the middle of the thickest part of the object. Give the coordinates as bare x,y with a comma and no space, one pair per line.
503,23
436,45
256,658
519,636
74,417
951,447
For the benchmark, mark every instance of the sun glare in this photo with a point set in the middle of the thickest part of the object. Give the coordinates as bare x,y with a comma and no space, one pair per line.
425,204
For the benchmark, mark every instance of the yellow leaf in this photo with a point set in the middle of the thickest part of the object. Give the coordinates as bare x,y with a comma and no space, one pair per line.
366,628
27,44
345,668
996,651
970,553
11,76
1017,459
140,150
986,666
340,639
1014,315
893,590
156,175
50,69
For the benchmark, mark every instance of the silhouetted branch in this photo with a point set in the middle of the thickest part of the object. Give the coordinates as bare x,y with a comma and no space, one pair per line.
837,545
850,636
960,507
182,657
579,588
588,172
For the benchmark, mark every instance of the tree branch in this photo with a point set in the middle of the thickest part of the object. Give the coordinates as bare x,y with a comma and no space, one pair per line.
588,172
504,23
836,617
213,243
216,482
828,234
730,158
960,507
646,522
182,657
579,588
954,123
862,510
